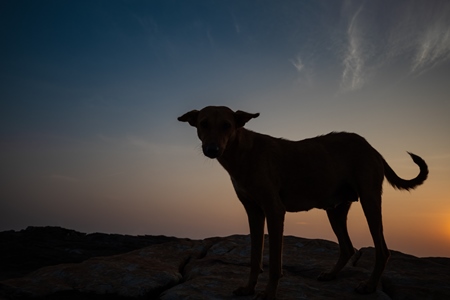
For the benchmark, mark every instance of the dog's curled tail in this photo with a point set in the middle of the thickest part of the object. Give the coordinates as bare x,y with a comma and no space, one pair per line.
403,184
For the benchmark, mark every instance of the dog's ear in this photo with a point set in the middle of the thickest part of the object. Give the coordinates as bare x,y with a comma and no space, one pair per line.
242,117
190,117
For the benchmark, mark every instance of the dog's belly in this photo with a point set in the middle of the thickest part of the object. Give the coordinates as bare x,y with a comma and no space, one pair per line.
295,201
301,196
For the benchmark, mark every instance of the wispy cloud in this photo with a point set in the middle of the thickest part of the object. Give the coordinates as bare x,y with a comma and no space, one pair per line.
352,75
433,48
127,142
142,144
147,24
236,25
139,142
412,32
297,63
422,34
304,69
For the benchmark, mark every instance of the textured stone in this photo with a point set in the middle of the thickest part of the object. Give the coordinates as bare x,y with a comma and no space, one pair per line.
24,251
140,273
214,267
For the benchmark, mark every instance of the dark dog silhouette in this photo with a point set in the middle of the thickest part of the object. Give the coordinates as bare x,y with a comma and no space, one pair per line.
273,176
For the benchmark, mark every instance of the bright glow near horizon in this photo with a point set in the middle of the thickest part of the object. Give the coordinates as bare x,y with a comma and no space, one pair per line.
90,93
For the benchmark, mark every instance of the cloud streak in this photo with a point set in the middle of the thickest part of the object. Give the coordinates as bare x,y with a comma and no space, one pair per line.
352,75
433,48
419,34
297,63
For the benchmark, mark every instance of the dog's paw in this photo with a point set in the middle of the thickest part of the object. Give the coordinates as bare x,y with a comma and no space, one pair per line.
265,296
244,291
326,276
366,287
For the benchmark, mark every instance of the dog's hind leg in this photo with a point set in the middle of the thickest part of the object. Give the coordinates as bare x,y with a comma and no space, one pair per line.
338,221
372,209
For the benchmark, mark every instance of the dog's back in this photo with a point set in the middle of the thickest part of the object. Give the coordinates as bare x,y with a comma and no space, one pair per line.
319,172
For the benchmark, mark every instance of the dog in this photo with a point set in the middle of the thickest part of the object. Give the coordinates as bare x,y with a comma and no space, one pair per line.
272,176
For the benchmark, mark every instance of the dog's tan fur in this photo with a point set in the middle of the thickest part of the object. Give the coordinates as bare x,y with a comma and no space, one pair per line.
273,176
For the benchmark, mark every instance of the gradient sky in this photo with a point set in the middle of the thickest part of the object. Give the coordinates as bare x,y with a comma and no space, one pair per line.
90,92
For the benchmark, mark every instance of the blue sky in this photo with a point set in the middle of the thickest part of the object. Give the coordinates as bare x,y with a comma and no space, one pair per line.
90,92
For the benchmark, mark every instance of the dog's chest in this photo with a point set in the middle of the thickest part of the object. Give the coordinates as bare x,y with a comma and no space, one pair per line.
237,187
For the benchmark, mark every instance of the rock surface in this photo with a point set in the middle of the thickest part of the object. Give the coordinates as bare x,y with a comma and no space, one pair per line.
28,250
66,264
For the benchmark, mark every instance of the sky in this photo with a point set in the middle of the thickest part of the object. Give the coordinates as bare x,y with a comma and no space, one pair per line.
90,92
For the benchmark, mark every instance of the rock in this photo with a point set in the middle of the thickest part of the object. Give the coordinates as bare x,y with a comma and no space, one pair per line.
145,272
214,267
28,250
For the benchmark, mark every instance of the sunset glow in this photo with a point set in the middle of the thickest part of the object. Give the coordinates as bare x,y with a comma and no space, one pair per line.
90,94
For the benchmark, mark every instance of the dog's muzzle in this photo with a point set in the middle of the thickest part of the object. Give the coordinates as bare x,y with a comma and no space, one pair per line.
211,150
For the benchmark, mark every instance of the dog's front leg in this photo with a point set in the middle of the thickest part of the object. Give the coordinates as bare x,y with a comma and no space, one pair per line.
256,220
275,222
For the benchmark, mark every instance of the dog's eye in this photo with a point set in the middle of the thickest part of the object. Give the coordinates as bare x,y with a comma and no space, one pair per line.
204,124
226,126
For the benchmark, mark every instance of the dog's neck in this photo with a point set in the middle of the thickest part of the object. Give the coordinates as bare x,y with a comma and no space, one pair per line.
235,154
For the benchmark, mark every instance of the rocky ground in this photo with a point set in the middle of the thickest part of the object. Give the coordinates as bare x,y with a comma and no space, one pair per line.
57,263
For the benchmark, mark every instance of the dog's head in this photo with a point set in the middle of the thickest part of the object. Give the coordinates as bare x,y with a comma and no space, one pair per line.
216,126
